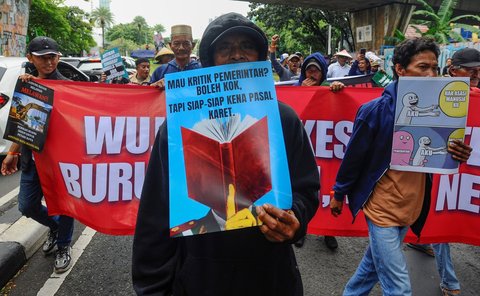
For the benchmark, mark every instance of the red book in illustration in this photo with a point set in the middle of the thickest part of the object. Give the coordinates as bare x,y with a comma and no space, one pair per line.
220,153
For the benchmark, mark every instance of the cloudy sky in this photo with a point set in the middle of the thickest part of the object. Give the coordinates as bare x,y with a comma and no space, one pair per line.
196,13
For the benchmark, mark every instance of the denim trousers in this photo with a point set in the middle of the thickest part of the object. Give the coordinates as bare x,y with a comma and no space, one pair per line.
445,266
383,262
30,205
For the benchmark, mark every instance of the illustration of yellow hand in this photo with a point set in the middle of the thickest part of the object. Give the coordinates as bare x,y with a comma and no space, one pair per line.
242,219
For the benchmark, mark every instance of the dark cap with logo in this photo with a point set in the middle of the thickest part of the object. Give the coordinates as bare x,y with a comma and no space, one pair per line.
466,57
43,45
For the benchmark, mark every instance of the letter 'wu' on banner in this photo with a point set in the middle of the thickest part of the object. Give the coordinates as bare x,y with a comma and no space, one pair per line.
94,160
226,148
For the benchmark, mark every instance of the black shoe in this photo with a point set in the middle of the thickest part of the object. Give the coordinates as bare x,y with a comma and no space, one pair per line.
63,259
331,242
50,242
300,242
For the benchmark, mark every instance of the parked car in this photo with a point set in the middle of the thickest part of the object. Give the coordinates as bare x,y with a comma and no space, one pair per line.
10,69
93,66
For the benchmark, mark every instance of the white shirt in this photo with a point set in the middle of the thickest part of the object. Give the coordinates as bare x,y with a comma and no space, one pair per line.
335,70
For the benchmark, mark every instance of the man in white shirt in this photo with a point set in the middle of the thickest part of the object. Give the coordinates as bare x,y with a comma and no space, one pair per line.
341,67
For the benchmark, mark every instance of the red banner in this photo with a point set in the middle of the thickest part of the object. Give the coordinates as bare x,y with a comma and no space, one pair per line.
100,136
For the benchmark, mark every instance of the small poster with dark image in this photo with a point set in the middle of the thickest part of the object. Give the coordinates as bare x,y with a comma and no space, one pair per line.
29,114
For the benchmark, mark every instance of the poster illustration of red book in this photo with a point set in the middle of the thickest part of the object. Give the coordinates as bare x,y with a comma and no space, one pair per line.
226,148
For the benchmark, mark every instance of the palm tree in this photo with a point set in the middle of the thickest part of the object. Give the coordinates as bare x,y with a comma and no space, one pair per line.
441,24
102,17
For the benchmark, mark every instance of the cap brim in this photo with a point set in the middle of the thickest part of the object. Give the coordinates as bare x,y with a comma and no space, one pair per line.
470,64
45,52
258,38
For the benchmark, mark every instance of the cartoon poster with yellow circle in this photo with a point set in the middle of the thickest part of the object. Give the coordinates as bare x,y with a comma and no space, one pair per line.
430,112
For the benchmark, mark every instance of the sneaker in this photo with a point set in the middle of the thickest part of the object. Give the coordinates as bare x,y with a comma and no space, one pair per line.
300,242
427,249
331,242
50,243
448,292
63,259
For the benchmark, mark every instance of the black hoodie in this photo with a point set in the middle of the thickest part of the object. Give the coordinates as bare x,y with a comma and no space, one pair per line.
235,262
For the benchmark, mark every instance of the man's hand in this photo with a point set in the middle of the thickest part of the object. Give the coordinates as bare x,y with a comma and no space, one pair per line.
26,77
9,165
336,86
278,225
159,84
459,150
273,45
309,82
240,219
336,207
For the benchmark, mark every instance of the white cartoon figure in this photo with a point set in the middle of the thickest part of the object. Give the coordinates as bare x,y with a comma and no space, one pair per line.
410,109
425,150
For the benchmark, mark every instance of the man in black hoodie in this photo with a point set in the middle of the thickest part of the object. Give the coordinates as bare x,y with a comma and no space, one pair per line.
249,261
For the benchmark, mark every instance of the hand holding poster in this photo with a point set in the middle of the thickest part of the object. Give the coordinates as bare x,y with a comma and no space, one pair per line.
430,112
112,64
224,126
29,114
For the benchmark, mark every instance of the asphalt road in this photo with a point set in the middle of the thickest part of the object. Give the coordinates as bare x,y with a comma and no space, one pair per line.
103,267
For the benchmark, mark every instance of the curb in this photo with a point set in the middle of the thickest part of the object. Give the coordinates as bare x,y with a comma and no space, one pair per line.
17,244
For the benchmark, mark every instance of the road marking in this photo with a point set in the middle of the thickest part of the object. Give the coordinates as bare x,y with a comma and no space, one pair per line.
55,281
7,197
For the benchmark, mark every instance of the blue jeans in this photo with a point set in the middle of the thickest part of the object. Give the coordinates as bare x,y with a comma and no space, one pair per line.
30,205
383,261
445,267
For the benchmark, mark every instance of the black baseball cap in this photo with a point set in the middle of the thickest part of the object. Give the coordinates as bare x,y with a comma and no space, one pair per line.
466,57
43,45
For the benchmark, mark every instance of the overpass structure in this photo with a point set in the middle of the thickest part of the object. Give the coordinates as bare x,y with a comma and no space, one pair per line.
372,20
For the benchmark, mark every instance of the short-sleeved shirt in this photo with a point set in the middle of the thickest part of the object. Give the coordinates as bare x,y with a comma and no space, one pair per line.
335,70
397,199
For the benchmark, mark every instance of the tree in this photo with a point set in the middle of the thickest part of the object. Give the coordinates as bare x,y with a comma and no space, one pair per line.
124,45
138,31
67,25
441,25
300,28
103,18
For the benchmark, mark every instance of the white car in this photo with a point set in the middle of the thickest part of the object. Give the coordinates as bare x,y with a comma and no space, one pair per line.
10,69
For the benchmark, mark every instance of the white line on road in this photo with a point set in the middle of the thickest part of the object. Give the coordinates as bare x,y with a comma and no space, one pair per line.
7,197
52,285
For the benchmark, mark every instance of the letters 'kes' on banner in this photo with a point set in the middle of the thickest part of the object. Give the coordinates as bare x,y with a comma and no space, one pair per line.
430,112
29,114
226,148
94,161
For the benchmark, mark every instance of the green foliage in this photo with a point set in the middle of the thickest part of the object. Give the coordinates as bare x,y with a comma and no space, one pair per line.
138,31
397,38
67,25
123,45
301,29
103,18
440,24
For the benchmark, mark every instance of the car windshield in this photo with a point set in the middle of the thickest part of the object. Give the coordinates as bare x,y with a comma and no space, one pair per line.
2,72
90,66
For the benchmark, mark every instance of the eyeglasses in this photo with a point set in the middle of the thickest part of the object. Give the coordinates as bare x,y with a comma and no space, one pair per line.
225,49
185,44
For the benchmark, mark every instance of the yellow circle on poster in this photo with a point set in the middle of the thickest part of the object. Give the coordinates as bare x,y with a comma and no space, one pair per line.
453,99
457,134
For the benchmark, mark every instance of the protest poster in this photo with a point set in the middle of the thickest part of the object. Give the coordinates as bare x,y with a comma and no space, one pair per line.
430,112
226,148
29,114
112,64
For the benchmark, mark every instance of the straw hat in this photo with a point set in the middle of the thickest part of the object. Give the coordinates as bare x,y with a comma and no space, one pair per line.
162,52
343,53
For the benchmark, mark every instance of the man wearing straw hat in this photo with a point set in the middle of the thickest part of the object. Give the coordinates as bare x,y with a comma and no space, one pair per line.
181,44
341,67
